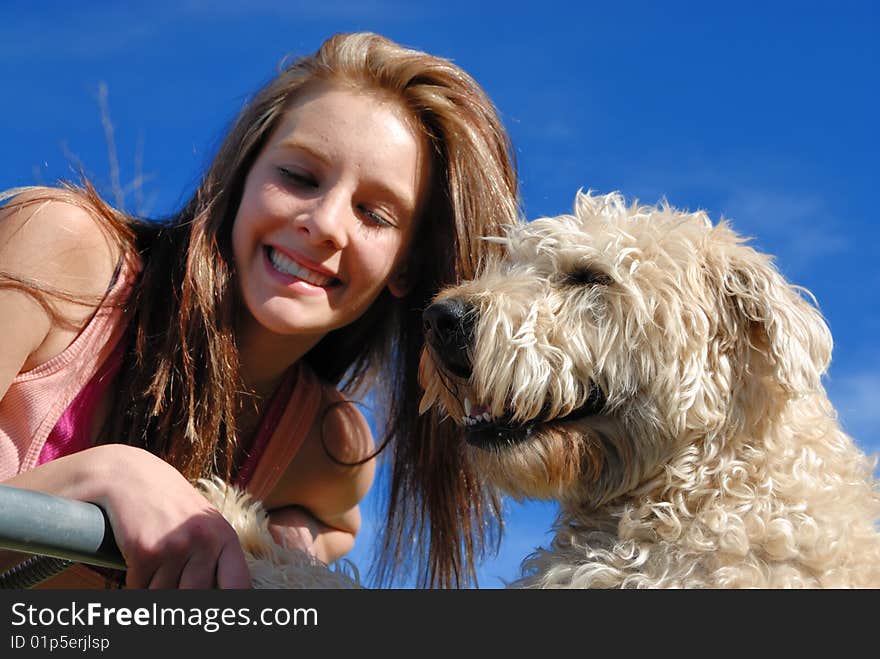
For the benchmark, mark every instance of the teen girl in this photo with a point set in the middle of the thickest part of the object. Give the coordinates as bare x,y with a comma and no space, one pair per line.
138,356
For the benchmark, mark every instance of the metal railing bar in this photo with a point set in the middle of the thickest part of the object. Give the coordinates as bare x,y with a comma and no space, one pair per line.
49,525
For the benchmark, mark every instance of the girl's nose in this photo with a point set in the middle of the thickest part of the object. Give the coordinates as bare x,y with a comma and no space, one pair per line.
327,221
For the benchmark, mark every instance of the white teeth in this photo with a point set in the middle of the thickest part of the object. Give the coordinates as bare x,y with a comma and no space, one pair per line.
289,267
467,406
472,420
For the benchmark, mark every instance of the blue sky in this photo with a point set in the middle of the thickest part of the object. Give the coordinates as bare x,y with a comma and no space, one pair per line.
760,112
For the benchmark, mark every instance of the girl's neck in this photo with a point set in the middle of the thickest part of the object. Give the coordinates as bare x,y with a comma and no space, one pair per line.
265,357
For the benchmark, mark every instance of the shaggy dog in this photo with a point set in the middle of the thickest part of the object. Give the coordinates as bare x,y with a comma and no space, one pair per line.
661,380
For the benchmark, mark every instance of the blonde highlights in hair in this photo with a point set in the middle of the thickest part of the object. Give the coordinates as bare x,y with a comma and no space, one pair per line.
179,393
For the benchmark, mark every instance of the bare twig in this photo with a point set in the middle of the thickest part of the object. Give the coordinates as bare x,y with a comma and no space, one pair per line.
137,183
73,158
38,175
113,160
135,187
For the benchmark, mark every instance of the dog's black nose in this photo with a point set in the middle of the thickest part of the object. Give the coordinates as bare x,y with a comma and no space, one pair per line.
449,328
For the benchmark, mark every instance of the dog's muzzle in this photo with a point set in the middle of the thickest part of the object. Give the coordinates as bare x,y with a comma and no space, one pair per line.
449,330
449,327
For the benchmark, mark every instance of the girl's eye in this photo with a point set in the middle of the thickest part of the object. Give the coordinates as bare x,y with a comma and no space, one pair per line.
297,177
375,218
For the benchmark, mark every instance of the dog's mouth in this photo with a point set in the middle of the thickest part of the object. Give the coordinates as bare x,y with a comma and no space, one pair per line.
484,431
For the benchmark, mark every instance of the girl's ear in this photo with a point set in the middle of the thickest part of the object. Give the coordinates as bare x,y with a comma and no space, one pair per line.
405,276
400,283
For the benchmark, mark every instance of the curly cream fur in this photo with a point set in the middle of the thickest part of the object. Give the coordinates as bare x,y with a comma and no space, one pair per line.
717,459
270,564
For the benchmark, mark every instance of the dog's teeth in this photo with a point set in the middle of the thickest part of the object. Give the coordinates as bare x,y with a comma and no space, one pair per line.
467,406
484,416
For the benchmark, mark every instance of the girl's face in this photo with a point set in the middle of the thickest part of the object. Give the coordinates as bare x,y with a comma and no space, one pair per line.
328,212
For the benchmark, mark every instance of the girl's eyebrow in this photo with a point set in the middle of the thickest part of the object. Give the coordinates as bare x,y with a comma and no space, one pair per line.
400,201
295,145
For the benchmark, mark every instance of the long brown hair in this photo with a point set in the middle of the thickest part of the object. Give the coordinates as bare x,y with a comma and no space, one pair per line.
179,394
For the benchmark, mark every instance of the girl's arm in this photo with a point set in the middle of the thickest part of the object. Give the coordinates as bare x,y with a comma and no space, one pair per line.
296,527
315,505
167,532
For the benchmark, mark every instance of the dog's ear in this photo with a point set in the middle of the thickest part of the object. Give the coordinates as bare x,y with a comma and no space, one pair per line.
782,326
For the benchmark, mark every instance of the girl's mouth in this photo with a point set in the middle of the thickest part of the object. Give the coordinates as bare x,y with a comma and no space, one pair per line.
291,268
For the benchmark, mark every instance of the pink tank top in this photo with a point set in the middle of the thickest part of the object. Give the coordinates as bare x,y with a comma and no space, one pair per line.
266,428
280,434
37,399
72,432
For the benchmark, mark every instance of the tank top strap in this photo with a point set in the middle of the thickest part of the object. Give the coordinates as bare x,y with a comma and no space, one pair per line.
283,430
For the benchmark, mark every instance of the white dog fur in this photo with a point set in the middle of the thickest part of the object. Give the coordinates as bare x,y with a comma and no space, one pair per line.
660,379
700,449
271,565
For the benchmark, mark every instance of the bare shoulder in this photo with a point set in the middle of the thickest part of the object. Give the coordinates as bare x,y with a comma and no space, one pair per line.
47,237
51,242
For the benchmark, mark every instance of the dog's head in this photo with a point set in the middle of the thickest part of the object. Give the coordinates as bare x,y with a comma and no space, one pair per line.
603,343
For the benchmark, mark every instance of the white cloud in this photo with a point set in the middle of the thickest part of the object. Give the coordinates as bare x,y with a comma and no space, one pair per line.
763,198
83,31
856,396
80,30
800,228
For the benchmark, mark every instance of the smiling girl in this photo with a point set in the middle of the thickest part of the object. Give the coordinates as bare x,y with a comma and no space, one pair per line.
142,355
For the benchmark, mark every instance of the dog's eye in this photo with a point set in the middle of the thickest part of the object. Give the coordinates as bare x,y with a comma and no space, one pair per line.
587,277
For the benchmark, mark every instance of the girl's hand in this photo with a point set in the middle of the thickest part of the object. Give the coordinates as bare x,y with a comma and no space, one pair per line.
168,533
295,528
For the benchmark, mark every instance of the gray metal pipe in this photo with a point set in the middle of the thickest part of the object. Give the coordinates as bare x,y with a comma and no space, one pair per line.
49,525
